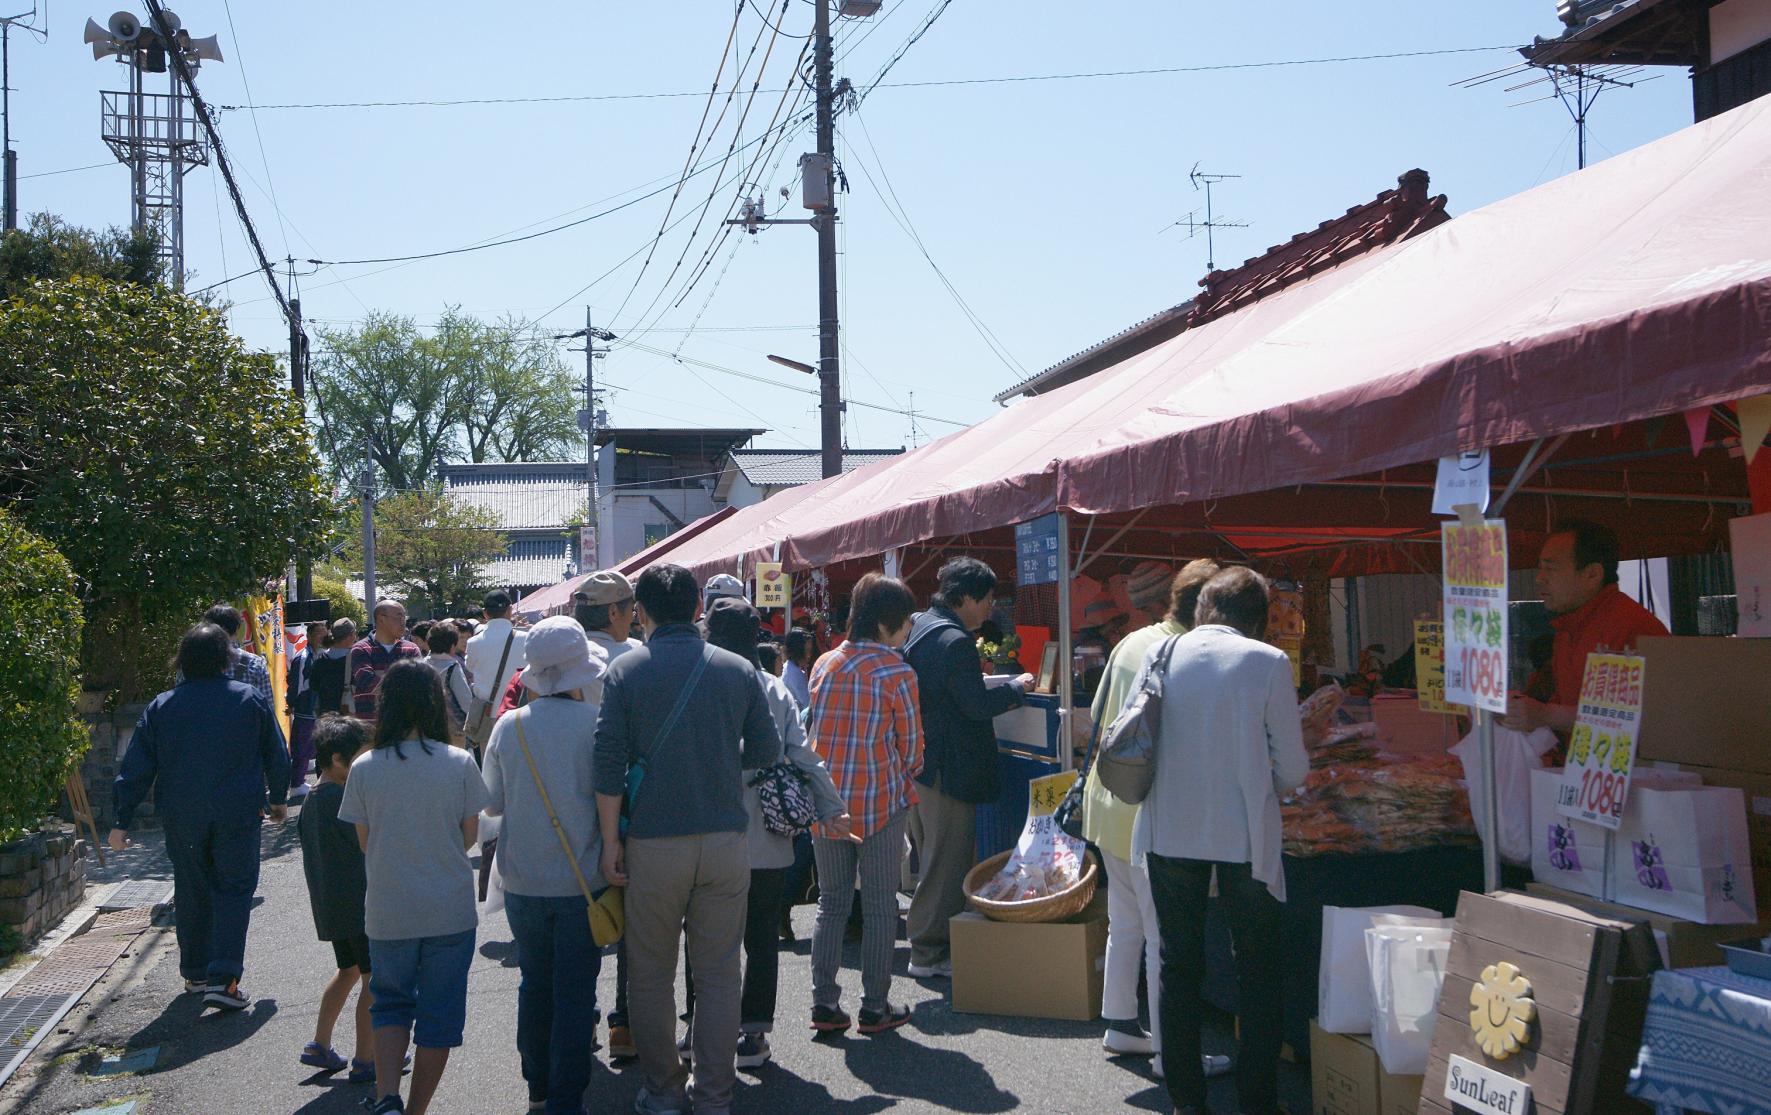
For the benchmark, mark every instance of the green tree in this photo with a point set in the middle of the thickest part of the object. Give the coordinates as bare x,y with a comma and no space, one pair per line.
329,585
471,390
428,545
168,464
50,248
39,676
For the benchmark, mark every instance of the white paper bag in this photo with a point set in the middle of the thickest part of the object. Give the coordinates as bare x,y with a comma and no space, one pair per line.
1516,755
1407,972
1686,853
1566,852
1343,1000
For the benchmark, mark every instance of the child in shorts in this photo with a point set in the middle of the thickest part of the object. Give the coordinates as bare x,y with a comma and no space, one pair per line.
336,883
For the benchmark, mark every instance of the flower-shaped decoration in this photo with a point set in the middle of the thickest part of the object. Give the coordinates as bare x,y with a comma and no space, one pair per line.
1502,1010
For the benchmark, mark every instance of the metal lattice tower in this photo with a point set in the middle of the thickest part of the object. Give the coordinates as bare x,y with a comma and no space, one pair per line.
156,135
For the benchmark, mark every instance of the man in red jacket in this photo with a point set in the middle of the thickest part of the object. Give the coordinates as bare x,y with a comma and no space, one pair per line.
1577,578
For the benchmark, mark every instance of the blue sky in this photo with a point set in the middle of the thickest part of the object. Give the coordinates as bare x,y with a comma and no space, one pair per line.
1042,202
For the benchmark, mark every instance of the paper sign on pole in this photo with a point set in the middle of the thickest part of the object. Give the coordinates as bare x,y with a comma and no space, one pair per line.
1429,665
1044,795
1602,748
1751,536
774,589
1463,479
1476,613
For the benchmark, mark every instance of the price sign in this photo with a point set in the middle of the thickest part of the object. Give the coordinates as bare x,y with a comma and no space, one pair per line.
774,589
1602,747
1044,795
1476,613
1036,551
1429,665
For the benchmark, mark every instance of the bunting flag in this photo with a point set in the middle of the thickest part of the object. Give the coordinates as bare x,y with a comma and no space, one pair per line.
1653,429
1697,420
1755,423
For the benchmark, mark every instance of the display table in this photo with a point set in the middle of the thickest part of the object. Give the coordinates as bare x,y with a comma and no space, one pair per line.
1706,1043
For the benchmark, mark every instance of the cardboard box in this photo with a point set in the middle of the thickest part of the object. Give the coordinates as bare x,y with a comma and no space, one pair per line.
1702,702
1685,853
1409,729
1347,1079
1687,944
1049,970
1567,852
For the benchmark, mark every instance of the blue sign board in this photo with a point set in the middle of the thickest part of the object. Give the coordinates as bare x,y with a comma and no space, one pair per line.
1036,551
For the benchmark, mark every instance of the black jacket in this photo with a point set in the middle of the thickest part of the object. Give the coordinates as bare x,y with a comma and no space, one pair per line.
958,739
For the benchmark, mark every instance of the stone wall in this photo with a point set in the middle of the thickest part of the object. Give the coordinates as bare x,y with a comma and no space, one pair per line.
42,878
111,732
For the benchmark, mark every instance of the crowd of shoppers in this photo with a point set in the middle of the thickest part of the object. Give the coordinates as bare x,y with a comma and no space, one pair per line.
635,787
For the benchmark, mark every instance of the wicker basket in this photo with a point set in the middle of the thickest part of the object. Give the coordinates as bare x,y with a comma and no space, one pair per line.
1053,907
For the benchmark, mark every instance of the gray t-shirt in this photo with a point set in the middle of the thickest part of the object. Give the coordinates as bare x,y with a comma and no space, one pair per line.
421,883
561,734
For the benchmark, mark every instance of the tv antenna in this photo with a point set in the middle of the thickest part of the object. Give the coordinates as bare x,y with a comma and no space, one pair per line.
1203,180
1576,86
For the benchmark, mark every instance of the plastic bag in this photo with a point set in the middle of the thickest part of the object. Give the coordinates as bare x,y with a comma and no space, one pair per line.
1407,972
1046,861
1516,755
1343,1001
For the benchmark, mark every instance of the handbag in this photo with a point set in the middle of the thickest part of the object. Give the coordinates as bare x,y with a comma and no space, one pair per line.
1068,815
785,794
485,714
607,911
636,770
1127,758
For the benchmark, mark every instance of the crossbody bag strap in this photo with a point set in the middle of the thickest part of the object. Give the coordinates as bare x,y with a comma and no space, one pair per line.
552,817
676,712
497,688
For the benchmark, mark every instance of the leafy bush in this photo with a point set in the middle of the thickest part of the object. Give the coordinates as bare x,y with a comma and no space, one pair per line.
168,464
39,677
344,605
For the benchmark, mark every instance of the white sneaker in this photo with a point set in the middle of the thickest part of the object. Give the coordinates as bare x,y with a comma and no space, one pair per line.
298,791
196,985
942,969
1118,1043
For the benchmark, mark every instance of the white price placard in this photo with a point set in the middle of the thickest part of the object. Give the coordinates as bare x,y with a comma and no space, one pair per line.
1480,1088
1462,481
1476,613
1602,747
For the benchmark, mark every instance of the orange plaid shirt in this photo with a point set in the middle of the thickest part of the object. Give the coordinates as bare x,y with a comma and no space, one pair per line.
866,724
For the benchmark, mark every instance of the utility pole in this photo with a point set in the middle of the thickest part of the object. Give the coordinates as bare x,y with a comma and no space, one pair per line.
11,158
589,420
304,569
829,375
368,530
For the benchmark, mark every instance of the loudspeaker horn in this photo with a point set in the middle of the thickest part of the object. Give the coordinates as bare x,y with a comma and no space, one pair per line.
97,32
105,50
124,26
208,49
173,23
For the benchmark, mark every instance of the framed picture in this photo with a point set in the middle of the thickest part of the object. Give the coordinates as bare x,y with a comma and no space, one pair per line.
1048,670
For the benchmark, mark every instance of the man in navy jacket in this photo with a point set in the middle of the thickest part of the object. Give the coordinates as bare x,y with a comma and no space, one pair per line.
959,769
211,751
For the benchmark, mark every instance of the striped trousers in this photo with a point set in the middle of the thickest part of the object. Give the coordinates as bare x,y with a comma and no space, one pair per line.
876,861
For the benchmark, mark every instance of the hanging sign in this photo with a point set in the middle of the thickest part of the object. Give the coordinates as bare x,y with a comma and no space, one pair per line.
1036,551
1751,535
1602,747
1475,555
774,589
1429,665
587,555
1462,480
1474,1087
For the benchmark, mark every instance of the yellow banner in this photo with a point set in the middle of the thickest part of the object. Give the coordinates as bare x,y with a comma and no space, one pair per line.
264,637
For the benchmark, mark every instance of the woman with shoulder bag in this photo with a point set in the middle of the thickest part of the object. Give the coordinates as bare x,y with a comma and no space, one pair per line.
801,778
538,778
1228,743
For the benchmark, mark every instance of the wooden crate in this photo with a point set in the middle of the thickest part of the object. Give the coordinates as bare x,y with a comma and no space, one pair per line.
1589,977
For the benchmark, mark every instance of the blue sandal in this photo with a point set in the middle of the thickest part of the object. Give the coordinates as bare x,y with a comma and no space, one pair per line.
318,1056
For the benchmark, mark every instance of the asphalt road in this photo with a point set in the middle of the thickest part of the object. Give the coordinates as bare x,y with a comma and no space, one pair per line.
246,1062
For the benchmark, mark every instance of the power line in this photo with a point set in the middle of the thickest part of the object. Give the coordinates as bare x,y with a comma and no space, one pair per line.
1085,75
67,170
206,118
263,157
936,13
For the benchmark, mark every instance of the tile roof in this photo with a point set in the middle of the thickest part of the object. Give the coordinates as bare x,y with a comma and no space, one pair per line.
784,468
1634,32
522,494
1392,216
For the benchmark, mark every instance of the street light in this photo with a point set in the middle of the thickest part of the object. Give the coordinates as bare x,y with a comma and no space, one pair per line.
794,364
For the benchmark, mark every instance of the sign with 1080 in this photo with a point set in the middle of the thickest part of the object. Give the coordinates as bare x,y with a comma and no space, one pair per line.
1475,558
1602,747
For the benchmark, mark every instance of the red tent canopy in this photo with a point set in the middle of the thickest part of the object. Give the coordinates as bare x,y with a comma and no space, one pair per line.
1637,288
557,599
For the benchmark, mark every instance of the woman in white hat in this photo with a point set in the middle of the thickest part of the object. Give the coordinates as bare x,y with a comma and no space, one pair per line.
549,742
